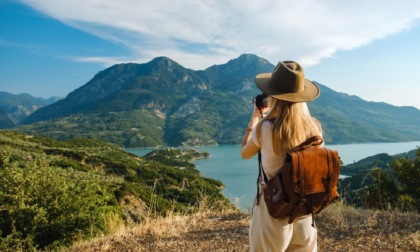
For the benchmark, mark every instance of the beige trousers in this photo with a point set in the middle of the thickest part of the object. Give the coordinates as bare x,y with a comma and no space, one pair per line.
268,234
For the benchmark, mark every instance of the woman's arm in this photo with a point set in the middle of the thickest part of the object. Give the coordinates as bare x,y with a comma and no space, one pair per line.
252,123
249,148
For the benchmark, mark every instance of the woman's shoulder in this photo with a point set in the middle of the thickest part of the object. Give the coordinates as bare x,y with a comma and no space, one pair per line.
267,123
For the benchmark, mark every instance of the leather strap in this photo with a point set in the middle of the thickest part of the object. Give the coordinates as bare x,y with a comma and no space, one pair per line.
314,140
330,173
301,185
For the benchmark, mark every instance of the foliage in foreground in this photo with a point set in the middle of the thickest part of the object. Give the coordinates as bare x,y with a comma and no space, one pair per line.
54,193
397,187
43,206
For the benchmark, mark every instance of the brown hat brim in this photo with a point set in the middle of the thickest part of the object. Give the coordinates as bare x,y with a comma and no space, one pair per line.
311,91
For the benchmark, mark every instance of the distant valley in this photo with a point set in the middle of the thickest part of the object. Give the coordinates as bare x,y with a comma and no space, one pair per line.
162,103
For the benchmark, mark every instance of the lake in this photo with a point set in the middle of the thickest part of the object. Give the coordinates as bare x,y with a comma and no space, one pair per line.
239,176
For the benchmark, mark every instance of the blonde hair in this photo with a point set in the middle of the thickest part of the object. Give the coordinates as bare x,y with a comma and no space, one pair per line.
292,124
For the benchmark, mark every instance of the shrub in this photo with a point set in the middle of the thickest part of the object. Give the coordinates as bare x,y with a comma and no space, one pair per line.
45,207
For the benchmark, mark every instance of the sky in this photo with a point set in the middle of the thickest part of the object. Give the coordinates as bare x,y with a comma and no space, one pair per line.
366,48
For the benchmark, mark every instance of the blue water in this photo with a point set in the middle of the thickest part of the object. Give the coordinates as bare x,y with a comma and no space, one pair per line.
239,176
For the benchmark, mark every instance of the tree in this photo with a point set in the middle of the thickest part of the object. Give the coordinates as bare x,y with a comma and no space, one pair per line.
398,187
407,172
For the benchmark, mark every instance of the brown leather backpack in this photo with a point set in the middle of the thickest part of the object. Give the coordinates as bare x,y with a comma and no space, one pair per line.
307,182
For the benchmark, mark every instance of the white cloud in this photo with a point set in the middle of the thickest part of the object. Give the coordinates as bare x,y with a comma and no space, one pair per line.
198,34
104,61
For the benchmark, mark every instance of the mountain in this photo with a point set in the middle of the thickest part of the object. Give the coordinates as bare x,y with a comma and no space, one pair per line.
161,102
14,108
350,119
5,120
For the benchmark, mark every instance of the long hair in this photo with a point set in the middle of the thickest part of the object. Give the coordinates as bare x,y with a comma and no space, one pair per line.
292,124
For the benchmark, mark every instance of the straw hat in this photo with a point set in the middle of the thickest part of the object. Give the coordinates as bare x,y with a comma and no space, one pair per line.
287,82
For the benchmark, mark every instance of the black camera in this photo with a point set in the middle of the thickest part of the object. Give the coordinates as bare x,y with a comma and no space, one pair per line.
261,101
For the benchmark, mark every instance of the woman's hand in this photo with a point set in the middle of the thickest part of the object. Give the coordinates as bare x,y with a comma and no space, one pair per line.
259,112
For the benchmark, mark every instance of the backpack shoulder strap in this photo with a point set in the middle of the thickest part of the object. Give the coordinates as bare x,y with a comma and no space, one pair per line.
314,140
260,171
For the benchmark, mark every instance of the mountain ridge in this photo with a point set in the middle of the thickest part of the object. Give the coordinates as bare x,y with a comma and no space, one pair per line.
204,107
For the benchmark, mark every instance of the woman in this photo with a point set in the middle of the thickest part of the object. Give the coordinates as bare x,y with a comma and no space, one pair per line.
287,124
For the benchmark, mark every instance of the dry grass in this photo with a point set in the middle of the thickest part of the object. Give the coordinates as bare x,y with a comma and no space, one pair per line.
344,228
340,227
206,230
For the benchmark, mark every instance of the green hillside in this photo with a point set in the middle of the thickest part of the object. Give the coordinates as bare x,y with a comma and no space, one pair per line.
383,181
132,128
55,192
350,119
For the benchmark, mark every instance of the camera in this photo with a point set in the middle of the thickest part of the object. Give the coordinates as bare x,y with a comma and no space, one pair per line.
261,101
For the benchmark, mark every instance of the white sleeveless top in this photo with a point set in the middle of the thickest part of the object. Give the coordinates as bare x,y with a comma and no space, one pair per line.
271,161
